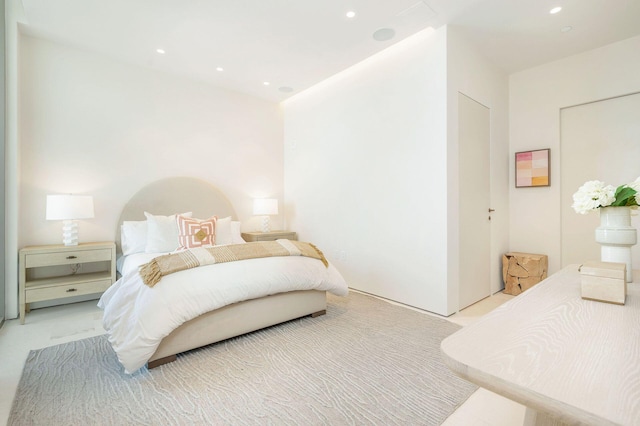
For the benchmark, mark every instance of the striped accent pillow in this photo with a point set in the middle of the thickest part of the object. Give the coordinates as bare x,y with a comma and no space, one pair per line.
194,232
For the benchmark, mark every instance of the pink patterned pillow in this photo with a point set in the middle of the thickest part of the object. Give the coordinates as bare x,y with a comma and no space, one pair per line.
194,232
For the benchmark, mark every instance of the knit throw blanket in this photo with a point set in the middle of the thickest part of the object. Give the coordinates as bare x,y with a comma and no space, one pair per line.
153,271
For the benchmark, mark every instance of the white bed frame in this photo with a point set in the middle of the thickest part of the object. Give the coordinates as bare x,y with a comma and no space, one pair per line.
183,194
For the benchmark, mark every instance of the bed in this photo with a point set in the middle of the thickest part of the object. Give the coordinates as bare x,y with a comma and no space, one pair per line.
125,302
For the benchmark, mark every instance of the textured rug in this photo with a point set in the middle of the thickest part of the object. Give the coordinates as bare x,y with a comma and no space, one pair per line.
365,362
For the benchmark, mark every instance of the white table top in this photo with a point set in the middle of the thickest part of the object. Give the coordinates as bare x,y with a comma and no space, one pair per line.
577,360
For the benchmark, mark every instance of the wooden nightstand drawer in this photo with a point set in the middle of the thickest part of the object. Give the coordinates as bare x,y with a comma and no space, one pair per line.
66,257
54,291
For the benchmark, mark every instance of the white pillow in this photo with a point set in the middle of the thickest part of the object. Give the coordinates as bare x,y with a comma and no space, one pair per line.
236,237
223,231
162,233
228,232
133,236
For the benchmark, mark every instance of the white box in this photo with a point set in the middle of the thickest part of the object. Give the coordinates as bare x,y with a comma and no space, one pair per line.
604,282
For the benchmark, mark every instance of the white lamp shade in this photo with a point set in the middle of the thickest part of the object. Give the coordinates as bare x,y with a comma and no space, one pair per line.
68,207
265,206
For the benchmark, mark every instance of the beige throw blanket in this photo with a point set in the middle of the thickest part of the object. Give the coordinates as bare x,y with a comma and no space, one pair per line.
153,271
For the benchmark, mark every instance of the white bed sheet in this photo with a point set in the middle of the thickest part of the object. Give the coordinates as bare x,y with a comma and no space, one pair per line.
131,263
138,317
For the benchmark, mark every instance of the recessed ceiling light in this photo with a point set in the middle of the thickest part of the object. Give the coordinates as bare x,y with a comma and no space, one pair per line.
220,69
555,10
266,83
384,34
566,29
351,14
160,51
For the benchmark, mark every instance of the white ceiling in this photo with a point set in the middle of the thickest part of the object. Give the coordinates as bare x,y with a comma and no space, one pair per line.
297,43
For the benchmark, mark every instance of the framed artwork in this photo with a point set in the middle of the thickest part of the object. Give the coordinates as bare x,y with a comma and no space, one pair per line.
532,168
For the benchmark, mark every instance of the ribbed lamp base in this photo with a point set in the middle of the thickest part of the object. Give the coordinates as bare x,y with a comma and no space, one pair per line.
266,224
70,233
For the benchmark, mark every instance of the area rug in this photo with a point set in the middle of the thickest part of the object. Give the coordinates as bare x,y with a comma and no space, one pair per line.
366,361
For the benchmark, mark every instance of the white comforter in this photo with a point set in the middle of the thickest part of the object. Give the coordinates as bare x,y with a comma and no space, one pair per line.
138,317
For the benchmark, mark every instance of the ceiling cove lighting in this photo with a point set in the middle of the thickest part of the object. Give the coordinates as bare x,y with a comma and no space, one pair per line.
160,51
555,10
351,14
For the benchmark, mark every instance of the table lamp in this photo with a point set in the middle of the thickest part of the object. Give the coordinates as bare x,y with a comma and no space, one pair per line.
265,207
68,208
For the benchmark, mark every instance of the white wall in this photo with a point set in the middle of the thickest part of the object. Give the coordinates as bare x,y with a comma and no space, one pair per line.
535,99
369,167
471,74
91,125
365,171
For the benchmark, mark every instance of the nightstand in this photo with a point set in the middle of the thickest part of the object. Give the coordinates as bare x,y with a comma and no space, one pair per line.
57,271
268,236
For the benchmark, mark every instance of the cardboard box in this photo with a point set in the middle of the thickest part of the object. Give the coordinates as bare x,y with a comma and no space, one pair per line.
604,282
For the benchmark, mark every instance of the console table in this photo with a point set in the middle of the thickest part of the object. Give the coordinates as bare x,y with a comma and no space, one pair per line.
569,360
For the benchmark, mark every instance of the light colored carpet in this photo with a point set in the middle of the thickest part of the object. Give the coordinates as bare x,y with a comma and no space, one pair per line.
365,362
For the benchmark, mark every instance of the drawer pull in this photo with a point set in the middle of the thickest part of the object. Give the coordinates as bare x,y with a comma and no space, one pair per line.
72,257
72,290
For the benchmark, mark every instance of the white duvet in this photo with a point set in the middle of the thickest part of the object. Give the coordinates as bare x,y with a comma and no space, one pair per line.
137,317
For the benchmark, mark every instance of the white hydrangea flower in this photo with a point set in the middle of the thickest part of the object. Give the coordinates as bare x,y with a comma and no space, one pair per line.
591,195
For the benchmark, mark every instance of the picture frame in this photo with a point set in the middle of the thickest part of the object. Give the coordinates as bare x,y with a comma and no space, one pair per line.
533,168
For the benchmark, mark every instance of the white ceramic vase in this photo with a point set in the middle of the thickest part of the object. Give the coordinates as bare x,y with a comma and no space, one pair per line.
616,236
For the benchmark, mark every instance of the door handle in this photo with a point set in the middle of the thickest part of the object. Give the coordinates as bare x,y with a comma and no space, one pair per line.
491,210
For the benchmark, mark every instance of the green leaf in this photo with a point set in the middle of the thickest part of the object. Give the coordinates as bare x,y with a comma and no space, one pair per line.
625,196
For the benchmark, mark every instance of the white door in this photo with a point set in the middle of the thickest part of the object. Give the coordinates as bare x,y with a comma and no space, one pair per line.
475,230
598,141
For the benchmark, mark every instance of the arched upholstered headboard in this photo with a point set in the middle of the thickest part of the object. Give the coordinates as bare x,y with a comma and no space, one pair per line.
176,195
